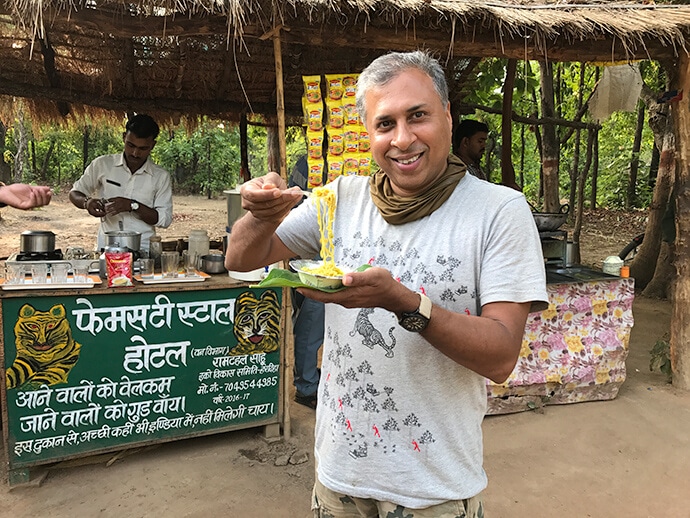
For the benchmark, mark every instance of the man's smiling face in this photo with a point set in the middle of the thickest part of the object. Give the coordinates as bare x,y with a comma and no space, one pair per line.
410,131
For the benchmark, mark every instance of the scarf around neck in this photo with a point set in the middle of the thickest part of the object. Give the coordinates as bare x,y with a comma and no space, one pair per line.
398,210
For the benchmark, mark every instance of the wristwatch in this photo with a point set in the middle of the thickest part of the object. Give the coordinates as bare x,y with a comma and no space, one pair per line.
417,321
134,205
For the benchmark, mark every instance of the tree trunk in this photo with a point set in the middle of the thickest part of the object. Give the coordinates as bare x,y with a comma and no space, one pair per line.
550,153
85,147
46,159
245,173
595,171
507,169
631,194
5,171
582,180
576,151
644,264
660,287
20,142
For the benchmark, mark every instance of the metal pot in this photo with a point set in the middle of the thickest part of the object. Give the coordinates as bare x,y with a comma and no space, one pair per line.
213,263
37,241
550,221
124,239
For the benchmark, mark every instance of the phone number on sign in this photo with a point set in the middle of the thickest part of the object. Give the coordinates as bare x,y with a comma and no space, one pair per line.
270,381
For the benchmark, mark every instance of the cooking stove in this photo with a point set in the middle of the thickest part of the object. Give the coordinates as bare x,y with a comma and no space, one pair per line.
49,258
37,257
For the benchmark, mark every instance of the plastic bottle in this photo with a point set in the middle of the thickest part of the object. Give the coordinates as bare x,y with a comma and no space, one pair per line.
198,244
155,249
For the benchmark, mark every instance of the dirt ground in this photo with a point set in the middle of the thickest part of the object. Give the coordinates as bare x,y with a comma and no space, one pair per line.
625,457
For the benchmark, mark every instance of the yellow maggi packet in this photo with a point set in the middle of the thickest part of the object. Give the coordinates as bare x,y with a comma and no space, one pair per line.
336,117
351,139
315,175
351,113
314,116
334,84
364,144
350,85
351,164
335,168
336,145
315,144
312,88
364,165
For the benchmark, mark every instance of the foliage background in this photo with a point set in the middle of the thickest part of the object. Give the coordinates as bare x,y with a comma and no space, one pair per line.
205,158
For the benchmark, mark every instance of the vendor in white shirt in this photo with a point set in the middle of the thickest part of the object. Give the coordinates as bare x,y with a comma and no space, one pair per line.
127,190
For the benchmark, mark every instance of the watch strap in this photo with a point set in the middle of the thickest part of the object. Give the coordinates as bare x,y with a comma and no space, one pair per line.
425,306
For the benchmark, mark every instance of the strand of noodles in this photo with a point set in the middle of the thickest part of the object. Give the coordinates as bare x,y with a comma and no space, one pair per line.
325,211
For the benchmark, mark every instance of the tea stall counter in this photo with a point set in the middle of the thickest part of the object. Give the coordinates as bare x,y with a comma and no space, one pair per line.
88,371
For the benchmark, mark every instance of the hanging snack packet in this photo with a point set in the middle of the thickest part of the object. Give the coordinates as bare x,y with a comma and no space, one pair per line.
315,144
118,267
315,176
364,144
336,145
351,139
334,83
335,168
351,113
336,117
364,165
312,88
350,85
314,113
351,164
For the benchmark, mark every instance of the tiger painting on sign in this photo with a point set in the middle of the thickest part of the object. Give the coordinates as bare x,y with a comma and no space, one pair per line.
46,351
257,323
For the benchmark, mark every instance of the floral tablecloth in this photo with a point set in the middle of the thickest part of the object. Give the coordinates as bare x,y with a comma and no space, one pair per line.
573,351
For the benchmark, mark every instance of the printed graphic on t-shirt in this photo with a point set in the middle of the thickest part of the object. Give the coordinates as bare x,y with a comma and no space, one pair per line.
365,412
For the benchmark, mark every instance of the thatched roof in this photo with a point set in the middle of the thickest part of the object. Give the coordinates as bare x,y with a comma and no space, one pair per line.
193,57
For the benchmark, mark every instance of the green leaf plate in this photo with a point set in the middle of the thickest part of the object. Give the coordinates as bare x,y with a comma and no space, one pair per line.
280,278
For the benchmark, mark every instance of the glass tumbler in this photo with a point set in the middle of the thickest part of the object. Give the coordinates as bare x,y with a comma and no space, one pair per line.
58,273
169,264
15,273
39,274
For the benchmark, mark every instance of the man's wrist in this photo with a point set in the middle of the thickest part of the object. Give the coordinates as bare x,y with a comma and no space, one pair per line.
86,203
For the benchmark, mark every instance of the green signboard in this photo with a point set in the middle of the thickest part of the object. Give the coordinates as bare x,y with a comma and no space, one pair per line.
86,373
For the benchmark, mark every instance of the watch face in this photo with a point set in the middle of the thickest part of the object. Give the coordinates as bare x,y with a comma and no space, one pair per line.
414,323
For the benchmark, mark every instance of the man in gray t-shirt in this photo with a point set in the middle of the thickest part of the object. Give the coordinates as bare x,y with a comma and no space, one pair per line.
456,263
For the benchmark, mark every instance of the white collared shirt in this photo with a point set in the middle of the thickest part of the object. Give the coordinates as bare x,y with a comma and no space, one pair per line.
108,177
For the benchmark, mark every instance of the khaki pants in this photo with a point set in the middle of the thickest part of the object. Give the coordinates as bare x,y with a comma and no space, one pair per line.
329,504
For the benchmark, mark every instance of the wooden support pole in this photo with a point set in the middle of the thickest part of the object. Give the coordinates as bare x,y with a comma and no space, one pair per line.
680,317
280,103
288,341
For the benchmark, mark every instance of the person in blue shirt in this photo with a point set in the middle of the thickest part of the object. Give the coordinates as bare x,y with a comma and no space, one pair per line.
307,323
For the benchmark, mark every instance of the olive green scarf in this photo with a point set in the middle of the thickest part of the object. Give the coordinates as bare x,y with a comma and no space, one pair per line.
397,210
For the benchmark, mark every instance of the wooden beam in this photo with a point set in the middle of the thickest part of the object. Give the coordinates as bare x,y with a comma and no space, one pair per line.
474,43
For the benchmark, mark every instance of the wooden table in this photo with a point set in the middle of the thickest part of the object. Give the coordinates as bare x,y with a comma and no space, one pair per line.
573,351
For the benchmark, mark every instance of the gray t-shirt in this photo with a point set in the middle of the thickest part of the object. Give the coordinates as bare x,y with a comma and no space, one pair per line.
397,420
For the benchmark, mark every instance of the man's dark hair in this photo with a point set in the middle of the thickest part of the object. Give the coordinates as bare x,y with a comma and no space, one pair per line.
467,128
143,126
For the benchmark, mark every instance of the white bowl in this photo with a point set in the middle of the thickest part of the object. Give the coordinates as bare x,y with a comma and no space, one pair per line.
252,275
315,280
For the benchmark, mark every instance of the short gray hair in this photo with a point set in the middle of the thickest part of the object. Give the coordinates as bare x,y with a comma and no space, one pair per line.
387,67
